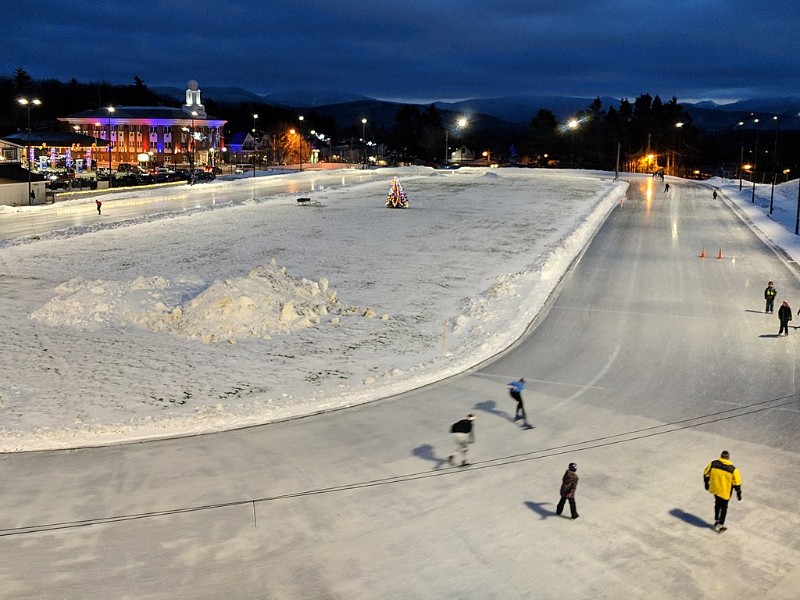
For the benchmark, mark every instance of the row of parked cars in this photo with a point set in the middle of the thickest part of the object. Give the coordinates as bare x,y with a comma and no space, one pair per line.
128,175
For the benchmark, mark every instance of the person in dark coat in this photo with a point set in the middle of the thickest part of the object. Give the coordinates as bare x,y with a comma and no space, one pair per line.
784,316
769,295
568,485
666,188
463,433
99,205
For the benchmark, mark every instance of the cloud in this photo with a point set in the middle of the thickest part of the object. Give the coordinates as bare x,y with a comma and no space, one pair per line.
422,49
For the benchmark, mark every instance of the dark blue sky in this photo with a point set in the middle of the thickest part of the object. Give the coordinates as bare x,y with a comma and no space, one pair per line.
417,50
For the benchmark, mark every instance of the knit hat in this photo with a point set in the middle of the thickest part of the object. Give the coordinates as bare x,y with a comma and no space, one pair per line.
725,454
573,467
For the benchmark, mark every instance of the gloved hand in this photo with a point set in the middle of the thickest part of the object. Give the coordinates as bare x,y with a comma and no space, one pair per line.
706,484
738,495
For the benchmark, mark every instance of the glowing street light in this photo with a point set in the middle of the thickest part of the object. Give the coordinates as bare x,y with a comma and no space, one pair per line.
755,162
678,126
461,123
111,111
741,155
774,165
573,126
255,116
301,118
28,104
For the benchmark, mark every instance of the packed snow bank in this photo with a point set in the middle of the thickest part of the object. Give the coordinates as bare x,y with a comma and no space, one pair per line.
267,301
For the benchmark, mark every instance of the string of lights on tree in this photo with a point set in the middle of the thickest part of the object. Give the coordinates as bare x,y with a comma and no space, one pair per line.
396,198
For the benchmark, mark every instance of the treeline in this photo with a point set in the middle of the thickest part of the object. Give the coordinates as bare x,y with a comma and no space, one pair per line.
592,138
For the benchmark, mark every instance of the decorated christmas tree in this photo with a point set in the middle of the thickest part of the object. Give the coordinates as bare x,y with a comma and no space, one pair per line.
396,198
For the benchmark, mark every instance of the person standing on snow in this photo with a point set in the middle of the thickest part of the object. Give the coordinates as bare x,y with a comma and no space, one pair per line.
666,188
721,478
769,295
568,485
784,316
515,390
463,433
99,205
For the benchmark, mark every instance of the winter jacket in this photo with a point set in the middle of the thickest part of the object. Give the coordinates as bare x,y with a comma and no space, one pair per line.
462,426
569,483
770,293
516,386
784,313
721,478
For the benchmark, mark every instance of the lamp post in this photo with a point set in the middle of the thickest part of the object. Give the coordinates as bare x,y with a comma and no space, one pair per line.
28,104
300,142
364,139
774,164
461,122
755,162
193,114
678,126
110,110
255,116
573,126
741,155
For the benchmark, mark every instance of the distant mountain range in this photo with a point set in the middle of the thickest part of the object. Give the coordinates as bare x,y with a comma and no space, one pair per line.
500,111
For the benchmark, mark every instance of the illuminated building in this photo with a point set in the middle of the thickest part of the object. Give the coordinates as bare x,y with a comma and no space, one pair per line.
153,135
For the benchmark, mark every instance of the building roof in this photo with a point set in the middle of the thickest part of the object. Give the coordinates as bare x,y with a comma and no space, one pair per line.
59,139
140,113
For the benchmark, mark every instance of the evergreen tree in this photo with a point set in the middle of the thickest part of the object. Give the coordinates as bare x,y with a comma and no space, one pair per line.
396,198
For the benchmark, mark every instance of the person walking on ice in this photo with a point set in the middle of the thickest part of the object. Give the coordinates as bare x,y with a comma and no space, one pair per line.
515,391
784,316
463,433
769,295
721,478
99,205
568,485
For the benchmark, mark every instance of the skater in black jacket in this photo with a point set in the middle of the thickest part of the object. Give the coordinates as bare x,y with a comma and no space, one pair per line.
568,485
784,316
463,433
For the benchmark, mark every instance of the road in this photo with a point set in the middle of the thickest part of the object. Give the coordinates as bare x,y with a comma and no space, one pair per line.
646,362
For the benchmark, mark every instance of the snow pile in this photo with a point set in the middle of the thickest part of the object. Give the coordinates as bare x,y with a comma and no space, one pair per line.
266,302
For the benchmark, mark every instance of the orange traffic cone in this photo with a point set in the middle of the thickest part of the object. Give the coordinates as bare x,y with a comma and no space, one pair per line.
719,256
703,253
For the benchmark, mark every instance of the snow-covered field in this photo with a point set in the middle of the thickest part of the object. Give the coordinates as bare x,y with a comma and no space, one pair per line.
230,317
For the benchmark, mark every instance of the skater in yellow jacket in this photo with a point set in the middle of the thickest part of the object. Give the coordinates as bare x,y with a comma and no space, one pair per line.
721,478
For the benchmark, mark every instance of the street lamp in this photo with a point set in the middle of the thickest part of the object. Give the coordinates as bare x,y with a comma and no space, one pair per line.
573,126
774,164
300,142
255,116
28,104
678,126
461,122
755,161
110,110
364,139
741,155
191,148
